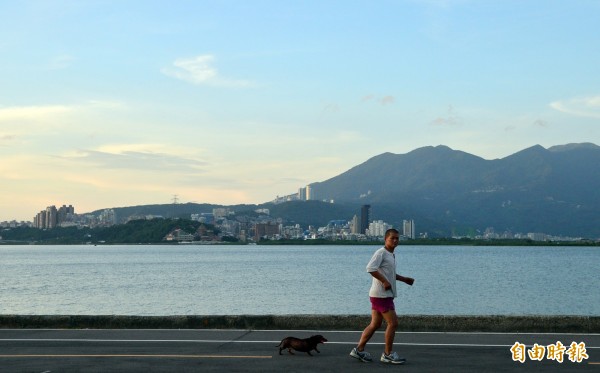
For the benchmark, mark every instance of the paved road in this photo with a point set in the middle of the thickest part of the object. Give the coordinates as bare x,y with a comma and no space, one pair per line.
126,350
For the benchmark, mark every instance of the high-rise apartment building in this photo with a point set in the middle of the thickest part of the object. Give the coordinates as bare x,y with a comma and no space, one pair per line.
65,213
408,228
364,218
355,225
52,217
378,228
266,230
302,194
310,193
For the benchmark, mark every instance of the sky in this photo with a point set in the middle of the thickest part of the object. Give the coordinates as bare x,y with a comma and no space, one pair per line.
121,103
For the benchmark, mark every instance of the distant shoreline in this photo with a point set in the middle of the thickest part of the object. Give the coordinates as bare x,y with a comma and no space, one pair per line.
161,232
319,242
438,242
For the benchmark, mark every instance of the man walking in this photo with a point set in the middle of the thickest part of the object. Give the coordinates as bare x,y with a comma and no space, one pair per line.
382,267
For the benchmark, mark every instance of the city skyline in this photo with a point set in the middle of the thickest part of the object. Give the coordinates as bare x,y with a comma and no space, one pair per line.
109,104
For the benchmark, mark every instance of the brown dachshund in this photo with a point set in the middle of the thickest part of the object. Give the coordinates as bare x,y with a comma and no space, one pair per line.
302,345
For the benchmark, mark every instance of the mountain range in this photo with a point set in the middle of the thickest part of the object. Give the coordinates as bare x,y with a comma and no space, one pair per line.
449,192
554,190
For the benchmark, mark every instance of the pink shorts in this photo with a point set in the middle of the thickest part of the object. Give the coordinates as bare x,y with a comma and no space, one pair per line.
382,305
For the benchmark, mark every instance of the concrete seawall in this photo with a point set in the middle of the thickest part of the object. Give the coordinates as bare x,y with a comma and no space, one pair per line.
413,323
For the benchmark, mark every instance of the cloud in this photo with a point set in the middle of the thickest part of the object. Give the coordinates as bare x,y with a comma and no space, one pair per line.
136,157
450,119
199,70
5,139
367,98
34,113
540,123
49,112
588,107
331,108
385,100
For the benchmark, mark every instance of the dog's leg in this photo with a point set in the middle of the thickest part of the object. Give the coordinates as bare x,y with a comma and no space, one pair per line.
308,352
290,351
280,350
317,350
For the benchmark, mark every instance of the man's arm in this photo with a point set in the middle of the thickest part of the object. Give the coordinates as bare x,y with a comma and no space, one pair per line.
406,280
386,284
381,278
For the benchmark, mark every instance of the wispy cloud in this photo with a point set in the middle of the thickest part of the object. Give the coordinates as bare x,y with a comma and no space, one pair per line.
385,100
50,112
6,139
137,160
137,157
200,70
367,98
17,113
588,107
331,108
450,119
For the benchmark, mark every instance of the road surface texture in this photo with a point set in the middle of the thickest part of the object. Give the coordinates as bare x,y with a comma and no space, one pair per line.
247,350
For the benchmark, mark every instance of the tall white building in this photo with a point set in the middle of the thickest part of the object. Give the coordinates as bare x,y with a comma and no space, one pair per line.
108,217
302,194
222,212
408,228
355,225
378,228
310,193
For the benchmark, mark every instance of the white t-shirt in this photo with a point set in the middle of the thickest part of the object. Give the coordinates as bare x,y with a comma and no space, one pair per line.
383,262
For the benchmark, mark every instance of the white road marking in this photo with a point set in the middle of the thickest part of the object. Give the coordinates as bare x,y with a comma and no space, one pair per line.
247,342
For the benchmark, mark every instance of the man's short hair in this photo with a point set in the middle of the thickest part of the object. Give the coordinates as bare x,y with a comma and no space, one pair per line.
390,231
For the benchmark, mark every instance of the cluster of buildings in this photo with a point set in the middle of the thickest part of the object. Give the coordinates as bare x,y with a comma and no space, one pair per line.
244,228
306,193
257,226
52,217
264,227
14,224
65,216
491,234
363,225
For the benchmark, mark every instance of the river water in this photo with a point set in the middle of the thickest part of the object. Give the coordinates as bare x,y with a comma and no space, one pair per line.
261,280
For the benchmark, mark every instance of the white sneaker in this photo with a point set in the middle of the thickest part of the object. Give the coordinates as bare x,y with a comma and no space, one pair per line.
361,355
392,358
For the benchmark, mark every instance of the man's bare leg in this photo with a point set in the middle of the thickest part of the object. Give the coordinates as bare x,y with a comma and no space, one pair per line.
391,320
376,320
